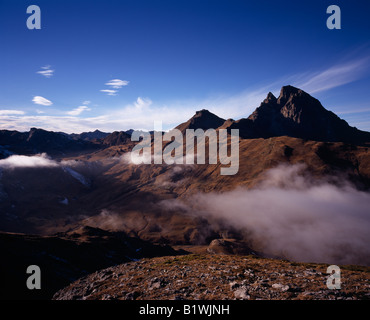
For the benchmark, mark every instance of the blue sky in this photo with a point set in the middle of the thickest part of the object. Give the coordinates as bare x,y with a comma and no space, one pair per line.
163,60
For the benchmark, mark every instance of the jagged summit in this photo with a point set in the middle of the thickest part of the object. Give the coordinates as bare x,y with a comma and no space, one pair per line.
270,98
203,111
289,90
295,113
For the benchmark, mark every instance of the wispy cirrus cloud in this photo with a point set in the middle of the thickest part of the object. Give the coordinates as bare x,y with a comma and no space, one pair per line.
109,92
46,71
78,110
41,101
114,85
334,76
11,112
117,83
353,111
141,113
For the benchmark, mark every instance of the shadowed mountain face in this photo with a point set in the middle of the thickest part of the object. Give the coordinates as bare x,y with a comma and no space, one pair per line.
117,138
296,114
89,136
39,140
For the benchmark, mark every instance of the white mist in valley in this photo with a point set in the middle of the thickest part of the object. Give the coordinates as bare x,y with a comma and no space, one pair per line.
292,215
21,161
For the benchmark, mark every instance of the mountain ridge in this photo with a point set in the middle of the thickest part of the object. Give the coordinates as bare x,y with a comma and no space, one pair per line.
294,113
297,114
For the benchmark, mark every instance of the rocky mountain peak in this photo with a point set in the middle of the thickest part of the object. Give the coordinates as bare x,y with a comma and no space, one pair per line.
202,112
289,90
203,119
290,93
270,98
295,113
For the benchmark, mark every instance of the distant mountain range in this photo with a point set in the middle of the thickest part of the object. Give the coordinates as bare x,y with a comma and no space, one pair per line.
89,136
294,113
39,140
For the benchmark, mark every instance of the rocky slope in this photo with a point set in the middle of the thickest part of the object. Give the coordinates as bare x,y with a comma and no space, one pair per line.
217,277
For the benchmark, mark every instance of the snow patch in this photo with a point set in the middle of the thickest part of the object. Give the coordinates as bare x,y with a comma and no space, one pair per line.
77,176
64,201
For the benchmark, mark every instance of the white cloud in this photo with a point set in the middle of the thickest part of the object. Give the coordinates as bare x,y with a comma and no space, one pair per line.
132,158
41,101
117,83
11,112
114,84
68,124
141,113
17,161
335,76
42,161
78,110
293,214
109,92
46,72
237,106
353,111
142,103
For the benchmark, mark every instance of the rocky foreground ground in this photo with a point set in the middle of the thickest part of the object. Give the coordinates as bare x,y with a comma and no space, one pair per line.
210,276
